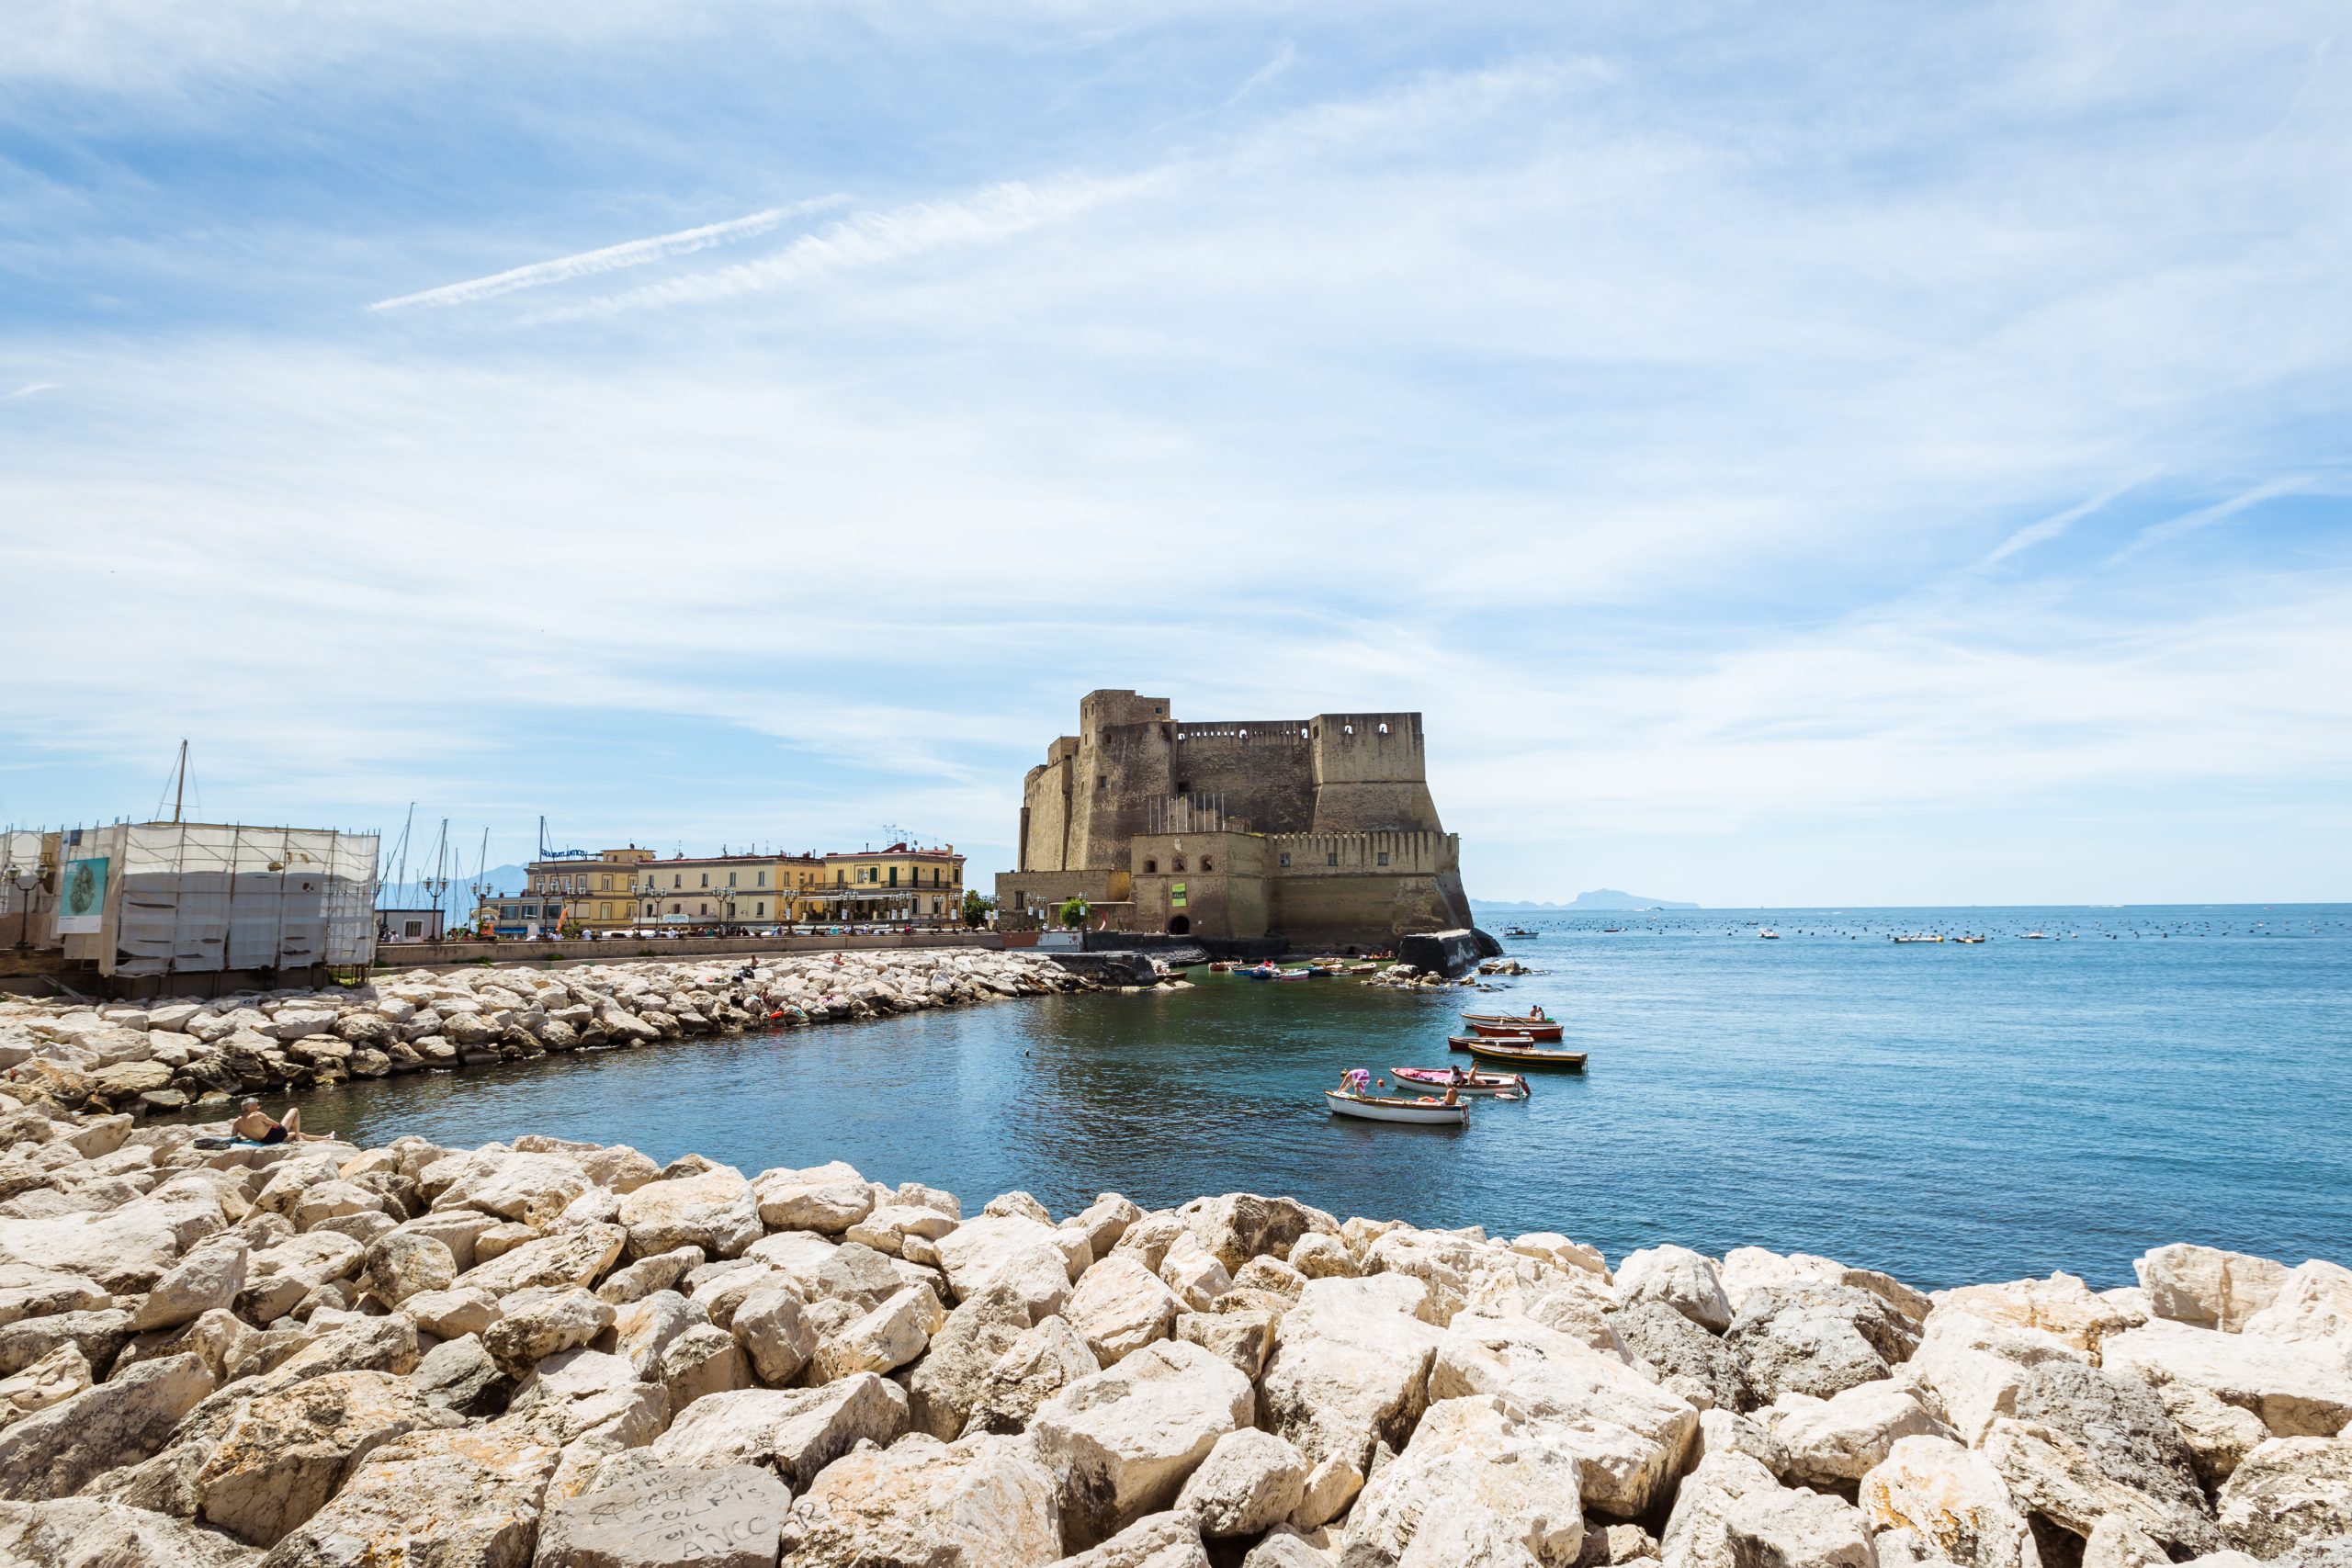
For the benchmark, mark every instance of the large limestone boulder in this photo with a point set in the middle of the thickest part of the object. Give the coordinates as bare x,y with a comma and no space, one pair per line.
1834,1441
1972,1367
944,1385
99,1336
1122,1442
795,1432
662,1518
2087,1444
123,1249
2208,1287
1041,1360
1630,1435
820,1271
1688,1361
1250,1481
829,1198
1238,1226
465,1495
1157,1541
884,1339
210,1278
286,1453
122,1421
2289,1491
1816,1339
1687,1281
1350,1368
713,1210
1192,1271
1120,1306
536,1323
981,1502
1478,1479
1244,1335
29,1292
1010,1250
55,1379
401,1264
2298,1389
577,1256
2313,1302
1798,1528
1698,1531
2218,1435
530,1187
1953,1498
87,1532
776,1334
2061,1305
643,1329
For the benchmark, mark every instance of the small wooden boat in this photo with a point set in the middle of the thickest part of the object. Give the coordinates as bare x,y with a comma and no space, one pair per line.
1519,931
1220,967
1548,1030
1968,938
1364,969
1918,936
1376,1108
1769,936
1508,1085
1527,1056
1464,1042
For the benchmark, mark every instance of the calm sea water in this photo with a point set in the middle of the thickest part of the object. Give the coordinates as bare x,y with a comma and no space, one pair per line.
1946,1112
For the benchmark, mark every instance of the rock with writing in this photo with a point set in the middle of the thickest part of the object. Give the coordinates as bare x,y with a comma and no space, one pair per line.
668,1518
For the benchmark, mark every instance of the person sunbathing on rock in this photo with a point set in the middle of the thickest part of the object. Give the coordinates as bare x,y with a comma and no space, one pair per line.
257,1128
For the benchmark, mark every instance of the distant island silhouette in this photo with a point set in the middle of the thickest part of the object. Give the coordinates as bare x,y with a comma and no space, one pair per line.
1598,898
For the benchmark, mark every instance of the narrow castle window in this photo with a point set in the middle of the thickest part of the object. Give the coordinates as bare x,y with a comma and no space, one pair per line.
1384,857
1183,787
1151,868
1331,859
1179,863
1102,781
1207,865
1286,859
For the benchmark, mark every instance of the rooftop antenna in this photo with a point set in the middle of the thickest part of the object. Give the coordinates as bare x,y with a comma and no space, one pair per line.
179,789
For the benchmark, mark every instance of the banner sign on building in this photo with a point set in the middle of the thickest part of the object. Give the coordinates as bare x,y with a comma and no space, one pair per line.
1176,896
81,897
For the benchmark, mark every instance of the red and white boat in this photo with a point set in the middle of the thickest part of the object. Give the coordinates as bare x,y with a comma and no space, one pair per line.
1494,1024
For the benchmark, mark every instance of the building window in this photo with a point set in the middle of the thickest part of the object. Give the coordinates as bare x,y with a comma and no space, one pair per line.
1333,857
1178,863
1286,859
1207,865
649,911
1182,787
1384,857
706,879
1151,868
760,909
675,911
1383,730
894,877
731,879
605,885
1102,782
675,881
763,879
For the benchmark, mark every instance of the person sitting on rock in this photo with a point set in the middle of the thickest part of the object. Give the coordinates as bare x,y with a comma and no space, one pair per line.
257,1128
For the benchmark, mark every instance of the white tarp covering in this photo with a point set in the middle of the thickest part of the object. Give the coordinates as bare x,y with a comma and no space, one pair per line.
200,897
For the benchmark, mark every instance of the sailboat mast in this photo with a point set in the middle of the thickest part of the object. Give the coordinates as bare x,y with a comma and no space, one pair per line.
179,786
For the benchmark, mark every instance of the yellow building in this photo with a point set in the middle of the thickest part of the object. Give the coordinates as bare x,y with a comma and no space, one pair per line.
729,890
899,885
582,892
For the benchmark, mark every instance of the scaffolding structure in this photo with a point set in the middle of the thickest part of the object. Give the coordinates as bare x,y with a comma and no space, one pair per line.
192,898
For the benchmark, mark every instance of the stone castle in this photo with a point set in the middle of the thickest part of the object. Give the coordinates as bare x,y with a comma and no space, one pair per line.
1319,829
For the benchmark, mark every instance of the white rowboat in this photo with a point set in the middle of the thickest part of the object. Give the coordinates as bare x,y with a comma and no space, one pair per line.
1372,1108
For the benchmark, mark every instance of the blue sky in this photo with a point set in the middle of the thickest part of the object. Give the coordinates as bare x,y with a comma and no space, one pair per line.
1837,454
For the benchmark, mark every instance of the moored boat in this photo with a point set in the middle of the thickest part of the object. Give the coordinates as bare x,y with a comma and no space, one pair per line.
1547,1029
1528,1056
1506,1084
1377,1108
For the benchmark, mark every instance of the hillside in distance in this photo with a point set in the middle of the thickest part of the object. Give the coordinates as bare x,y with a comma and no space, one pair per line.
1598,898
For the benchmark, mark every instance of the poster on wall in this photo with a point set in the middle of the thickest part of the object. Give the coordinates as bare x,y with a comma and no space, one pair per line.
81,897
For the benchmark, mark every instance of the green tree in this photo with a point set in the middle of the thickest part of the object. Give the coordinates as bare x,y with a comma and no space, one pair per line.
1074,913
977,908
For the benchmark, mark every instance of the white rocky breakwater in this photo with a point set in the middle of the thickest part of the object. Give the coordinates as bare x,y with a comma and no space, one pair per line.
556,1354
167,1054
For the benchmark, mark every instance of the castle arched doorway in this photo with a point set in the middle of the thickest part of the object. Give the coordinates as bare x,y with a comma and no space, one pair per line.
1179,925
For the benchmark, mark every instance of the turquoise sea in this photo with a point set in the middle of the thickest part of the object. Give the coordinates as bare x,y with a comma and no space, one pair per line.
1947,1112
